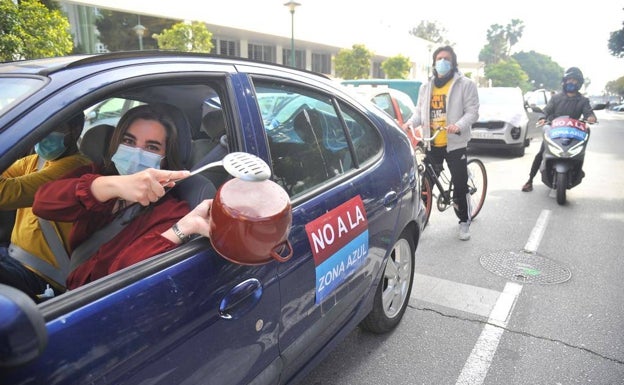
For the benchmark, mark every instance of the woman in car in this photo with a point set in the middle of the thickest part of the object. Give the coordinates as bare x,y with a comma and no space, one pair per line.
141,164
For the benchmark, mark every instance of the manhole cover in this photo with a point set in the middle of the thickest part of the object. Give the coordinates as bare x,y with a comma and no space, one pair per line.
522,266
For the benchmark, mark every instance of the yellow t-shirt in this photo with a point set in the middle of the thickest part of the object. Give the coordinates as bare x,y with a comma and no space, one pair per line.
18,186
438,113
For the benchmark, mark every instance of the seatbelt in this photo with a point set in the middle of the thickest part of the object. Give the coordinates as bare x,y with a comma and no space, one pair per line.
87,248
58,275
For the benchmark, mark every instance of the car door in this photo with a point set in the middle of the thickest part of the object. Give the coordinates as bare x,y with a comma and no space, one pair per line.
187,316
344,194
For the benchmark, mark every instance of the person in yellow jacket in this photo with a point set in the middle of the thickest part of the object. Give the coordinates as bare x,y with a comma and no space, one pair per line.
31,262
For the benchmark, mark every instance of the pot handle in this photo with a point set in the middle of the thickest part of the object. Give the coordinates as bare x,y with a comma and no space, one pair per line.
277,256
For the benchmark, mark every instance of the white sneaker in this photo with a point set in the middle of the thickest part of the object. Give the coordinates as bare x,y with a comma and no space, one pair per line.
464,231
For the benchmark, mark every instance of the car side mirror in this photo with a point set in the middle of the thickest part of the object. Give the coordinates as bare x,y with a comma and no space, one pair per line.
23,333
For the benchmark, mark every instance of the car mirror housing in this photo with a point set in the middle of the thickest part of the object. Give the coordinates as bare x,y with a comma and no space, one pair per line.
23,333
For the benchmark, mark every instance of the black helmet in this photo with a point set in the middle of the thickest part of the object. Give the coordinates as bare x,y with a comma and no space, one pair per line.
573,73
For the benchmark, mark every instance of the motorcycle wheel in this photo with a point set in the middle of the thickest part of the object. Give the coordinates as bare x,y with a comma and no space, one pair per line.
562,185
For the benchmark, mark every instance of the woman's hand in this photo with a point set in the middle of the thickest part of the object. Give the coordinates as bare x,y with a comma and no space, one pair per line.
195,222
144,187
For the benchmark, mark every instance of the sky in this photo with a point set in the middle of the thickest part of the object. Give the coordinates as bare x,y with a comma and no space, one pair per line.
572,35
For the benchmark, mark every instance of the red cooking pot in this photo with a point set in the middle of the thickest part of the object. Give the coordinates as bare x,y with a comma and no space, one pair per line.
250,222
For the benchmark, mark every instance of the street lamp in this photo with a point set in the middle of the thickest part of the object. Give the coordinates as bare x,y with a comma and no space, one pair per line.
291,7
140,31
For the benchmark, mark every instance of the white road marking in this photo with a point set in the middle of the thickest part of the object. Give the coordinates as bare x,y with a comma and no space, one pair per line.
454,295
497,306
476,367
538,232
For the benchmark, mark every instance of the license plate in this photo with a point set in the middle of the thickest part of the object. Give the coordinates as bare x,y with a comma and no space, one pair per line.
481,135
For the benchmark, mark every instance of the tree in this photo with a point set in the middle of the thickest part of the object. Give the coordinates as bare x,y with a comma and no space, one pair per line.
193,37
507,74
29,30
396,67
353,63
431,31
541,69
616,87
117,33
500,41
616,43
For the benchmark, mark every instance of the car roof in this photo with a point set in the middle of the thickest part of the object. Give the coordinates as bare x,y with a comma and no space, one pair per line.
47,66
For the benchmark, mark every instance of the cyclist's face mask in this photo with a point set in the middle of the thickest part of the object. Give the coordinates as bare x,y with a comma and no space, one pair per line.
129,160
52,146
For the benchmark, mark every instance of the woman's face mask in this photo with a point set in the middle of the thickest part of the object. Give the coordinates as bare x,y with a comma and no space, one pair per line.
52,146
442,67
129,160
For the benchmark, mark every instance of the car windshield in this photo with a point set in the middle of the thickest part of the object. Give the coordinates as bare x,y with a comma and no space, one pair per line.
14,89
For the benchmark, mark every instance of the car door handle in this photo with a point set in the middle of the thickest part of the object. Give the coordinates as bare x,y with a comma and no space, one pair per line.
240,299
390,200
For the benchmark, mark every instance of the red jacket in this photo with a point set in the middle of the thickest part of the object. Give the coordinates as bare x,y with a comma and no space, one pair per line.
70,200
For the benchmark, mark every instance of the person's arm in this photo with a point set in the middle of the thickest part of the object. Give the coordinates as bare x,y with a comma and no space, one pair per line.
470,100
20,181
416,119
588,112
144,187
195,222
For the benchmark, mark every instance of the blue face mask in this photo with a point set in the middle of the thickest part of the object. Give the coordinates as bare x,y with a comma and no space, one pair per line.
52,146
442,67
570,87
129,160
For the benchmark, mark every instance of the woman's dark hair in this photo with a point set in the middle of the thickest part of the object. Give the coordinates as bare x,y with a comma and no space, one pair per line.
448,49
147,112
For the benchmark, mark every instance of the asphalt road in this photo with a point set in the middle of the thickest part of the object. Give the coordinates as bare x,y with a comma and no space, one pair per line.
535,297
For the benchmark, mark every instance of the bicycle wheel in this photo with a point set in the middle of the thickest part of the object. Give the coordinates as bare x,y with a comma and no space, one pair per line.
426,194
477,186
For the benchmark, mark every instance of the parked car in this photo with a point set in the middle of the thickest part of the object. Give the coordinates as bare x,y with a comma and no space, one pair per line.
190,315
503,120
395,103
617,108
410,87
108,112
398,105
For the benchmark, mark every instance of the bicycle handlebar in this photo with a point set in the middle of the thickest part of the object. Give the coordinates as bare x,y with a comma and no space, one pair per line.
437,131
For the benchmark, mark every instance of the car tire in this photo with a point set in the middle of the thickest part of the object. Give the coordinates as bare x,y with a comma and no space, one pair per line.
394,288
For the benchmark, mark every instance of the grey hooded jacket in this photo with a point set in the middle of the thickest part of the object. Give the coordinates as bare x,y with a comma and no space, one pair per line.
462,109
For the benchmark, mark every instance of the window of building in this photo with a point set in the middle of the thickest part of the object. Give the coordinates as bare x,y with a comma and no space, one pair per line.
226,47
261,52
321,62
300,61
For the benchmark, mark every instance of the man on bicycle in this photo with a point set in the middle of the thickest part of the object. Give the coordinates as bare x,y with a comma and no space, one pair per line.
449,100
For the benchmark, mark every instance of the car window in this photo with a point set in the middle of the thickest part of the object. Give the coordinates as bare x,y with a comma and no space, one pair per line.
405,105
307,138
108,111
14,89
384,101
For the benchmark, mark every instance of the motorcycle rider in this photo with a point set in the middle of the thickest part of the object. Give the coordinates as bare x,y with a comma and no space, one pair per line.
569,103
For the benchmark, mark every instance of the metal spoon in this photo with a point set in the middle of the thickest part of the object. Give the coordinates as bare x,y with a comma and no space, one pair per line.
240,165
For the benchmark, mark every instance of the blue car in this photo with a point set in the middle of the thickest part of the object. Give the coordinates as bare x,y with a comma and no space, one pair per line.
191,315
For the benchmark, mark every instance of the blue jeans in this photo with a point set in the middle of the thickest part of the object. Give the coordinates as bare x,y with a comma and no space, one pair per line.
14,274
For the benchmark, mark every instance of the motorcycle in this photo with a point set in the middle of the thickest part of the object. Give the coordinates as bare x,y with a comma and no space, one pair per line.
564,152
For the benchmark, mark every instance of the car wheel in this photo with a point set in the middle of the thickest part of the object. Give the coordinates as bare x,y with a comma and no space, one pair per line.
394,288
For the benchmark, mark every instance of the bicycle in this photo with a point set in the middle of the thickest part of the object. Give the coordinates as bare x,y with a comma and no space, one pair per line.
477,183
